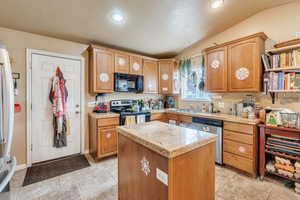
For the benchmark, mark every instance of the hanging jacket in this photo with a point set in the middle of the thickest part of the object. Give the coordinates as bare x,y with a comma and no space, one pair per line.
58,97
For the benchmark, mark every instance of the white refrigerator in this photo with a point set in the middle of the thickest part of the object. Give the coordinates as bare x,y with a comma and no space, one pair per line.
7,162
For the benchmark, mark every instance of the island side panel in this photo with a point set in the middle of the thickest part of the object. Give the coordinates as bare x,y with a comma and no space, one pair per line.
192,175
133,183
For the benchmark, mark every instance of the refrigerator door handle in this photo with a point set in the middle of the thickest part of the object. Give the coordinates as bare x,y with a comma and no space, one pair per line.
10,173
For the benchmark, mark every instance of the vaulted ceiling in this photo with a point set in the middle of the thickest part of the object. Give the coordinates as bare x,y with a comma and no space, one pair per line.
154,27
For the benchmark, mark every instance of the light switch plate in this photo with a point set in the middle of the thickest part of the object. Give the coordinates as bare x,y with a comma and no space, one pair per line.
221,105
162,176
91,104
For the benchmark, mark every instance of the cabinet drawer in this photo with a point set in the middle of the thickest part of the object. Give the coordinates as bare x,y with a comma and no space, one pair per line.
172,116
238,137
112,121
184,118
158,116
243,128
108,141
238,162
238,148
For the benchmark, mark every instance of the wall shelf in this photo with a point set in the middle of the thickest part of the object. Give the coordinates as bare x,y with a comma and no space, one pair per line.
293,68
283,91
283,49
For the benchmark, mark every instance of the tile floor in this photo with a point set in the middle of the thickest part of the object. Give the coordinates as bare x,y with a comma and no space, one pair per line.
99,182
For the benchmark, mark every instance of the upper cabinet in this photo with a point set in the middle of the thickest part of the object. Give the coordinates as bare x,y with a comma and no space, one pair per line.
245,68
122,63
216,70
150,69
168,77
136,65
236,66
101,70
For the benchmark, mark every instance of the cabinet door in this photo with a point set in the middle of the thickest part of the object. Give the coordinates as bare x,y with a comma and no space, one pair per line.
216,70
244,66
108,140
150,69
136,66
165,77
101,73
121,63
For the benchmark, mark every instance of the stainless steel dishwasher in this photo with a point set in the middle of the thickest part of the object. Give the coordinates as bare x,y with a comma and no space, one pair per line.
212,126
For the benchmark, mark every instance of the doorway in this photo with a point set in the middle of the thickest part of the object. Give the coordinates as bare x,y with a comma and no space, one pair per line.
41,67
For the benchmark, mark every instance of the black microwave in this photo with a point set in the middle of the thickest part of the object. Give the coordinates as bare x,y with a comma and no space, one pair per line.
128,83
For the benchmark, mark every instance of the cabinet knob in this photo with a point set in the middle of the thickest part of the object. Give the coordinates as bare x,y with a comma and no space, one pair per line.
242,149
108,135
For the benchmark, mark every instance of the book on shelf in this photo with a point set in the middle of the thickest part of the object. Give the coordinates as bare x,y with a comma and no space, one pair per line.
266,61
284,81
282,60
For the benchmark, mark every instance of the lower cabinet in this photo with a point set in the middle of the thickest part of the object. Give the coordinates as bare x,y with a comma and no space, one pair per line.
103,137
107,140
240,147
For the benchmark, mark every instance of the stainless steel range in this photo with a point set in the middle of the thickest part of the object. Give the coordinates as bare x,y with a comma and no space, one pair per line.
129,108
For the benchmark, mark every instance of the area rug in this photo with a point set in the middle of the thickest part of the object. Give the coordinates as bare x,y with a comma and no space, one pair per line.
49,169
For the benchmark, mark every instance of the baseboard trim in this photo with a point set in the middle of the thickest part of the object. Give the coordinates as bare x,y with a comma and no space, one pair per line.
21,166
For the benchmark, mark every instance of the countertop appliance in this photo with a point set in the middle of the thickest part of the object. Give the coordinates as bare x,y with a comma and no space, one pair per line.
212,126
126,108
7,162
128,83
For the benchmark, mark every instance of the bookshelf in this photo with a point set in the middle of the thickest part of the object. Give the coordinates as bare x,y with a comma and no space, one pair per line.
282,69
282,91
283,49
293,68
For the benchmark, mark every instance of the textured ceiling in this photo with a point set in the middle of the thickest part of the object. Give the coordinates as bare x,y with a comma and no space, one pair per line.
154,27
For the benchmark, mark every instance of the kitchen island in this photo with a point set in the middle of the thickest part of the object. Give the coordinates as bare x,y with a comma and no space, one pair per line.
160,161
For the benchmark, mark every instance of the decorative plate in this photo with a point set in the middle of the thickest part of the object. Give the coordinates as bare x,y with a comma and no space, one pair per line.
215,64
104,77
165,77
121,61
145,166
242,73
136,66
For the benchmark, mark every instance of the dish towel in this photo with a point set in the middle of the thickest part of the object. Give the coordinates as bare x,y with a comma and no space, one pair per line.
130,120
58,97
140,119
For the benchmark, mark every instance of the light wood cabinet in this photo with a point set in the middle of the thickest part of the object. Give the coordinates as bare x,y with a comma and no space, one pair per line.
235,66
101,70
245,66
108,140
122,63
240,147
150,69
166,70
136,65
216,70
103,136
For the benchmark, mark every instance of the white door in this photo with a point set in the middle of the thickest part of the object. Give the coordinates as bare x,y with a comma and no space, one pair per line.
42,134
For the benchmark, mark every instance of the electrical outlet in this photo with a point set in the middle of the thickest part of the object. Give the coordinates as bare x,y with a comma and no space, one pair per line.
92,104
221,104
298,34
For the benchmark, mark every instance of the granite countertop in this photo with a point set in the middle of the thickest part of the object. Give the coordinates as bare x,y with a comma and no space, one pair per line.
103,115
167,140
219,116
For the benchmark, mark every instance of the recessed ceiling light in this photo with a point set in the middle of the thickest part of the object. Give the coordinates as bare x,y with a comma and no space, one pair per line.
216,3
117,17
